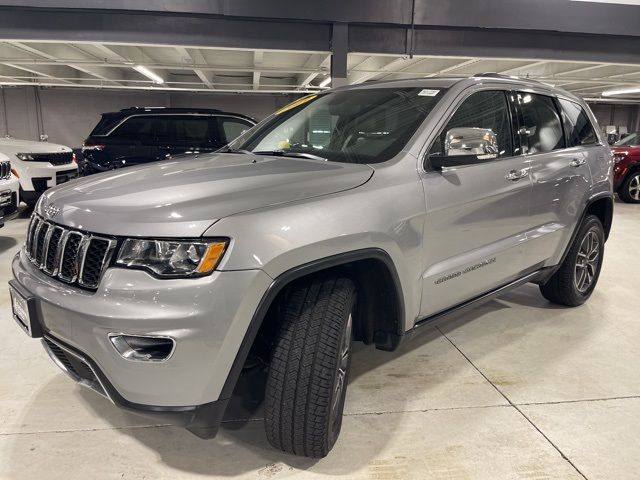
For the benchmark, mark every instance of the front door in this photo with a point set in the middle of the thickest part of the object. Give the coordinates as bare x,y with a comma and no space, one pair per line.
477,212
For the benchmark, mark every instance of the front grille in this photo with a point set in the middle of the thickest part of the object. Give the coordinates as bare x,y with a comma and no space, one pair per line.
58,158
72,256
5,170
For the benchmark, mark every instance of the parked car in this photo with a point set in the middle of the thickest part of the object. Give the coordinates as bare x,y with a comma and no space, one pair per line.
9,191
358,214
38,166
627,170
141,135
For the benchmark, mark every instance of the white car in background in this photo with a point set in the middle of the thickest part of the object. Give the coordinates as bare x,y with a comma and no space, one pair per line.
39,166
9,187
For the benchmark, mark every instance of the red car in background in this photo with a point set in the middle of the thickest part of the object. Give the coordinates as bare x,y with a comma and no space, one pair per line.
626,173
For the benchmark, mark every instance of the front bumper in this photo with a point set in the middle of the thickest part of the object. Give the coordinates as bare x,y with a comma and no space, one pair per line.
208,318
9,199
36,177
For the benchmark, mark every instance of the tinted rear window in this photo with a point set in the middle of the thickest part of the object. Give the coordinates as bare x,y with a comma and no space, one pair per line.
106,124
577,125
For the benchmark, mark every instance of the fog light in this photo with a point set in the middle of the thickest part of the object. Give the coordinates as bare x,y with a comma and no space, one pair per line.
143,348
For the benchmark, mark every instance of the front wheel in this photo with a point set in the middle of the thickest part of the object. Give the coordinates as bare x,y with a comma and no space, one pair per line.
307,378
629,191
576,278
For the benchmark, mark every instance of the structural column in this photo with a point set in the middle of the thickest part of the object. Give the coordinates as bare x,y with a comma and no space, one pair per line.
339,51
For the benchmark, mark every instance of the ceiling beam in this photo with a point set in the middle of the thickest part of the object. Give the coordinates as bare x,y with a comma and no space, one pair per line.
122,63
258,57
48,52
451,68
105,74
128,56
402,70
524,67
316,63
287,90
194,56
45,71
359,76
581,69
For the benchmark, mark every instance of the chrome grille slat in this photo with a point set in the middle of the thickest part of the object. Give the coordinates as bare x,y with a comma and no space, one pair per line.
39,242
5,170
72,256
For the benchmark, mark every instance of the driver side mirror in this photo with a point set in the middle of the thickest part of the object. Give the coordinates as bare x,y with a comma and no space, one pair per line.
466,146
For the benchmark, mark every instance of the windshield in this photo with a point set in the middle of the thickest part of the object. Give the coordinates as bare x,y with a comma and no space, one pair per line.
354,126
631,140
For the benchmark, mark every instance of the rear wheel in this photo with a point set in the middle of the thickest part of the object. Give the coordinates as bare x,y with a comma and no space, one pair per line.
307,378
629,191
576,278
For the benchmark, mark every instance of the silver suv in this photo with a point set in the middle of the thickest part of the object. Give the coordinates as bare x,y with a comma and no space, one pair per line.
358,214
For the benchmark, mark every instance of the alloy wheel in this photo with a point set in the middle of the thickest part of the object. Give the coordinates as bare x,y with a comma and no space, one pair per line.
587,262
634,187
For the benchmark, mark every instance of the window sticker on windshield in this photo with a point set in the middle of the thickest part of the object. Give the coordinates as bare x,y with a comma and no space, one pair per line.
300,101
427,92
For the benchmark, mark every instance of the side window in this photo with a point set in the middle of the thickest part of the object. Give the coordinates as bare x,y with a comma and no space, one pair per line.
231,128
194,130
579,129
481,126
542,127
134,129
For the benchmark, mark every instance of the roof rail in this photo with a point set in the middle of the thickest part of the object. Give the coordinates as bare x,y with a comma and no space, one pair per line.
499,75
172,109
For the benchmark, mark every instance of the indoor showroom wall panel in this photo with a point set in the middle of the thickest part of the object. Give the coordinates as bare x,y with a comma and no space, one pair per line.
69,115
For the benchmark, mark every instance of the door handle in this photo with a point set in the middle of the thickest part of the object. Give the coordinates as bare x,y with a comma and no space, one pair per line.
515,175
576,162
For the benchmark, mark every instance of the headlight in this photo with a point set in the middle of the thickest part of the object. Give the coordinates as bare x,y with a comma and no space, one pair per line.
172,258
618,158
27,157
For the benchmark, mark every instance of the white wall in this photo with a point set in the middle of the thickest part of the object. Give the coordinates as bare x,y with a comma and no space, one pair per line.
68,115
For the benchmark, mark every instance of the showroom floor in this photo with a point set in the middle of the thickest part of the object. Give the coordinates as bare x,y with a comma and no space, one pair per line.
515,389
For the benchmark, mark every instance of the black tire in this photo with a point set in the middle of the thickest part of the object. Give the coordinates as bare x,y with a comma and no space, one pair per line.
629,191
570,285
303,404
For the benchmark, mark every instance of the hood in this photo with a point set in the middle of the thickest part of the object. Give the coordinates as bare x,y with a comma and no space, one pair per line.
28,146
624,150
184,197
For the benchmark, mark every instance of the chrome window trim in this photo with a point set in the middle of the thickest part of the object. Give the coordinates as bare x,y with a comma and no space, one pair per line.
172,114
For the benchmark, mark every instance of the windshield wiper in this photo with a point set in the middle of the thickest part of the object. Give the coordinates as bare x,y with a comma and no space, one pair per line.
285,153
234,150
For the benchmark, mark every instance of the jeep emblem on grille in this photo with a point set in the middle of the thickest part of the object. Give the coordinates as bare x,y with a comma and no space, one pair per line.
51,210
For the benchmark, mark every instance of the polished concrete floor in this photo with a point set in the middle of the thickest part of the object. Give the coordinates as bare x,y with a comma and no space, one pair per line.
518,388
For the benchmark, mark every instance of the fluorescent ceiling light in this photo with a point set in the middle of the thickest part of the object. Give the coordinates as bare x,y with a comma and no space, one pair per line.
621,91
325,82
149,74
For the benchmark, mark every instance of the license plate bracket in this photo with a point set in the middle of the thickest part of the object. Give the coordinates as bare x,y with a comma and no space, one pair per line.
25,311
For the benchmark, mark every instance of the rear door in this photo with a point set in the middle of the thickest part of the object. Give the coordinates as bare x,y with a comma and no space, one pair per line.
560,173
190,133
477,214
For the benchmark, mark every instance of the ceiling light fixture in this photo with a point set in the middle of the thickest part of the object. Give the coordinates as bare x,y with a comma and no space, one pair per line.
620,91
149,74
325,82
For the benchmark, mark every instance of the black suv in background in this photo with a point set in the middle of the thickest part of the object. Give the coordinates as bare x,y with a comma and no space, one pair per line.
146,134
